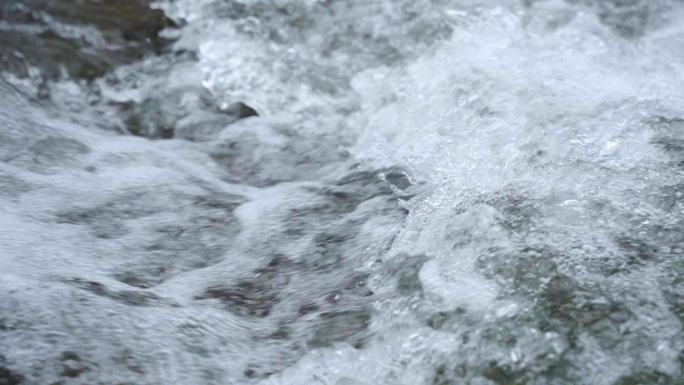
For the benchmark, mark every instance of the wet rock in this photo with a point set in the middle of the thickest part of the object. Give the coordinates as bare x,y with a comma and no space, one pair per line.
50,53
183,112
149,119
239,110
129,29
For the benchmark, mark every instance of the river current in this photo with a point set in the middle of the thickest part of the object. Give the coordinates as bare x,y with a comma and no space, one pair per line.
343,192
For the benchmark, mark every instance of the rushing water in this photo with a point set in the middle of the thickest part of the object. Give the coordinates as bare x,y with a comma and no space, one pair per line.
342,192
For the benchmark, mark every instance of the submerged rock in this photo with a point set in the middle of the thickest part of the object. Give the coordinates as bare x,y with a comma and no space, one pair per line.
340,326
149,119
10,377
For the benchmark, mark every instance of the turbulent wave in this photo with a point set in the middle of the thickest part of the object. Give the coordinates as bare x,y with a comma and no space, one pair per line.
342,192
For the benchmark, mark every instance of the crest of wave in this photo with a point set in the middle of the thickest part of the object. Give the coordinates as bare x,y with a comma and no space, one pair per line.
548,105
537,136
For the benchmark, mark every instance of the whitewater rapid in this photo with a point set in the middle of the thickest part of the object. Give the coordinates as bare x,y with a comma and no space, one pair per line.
410,192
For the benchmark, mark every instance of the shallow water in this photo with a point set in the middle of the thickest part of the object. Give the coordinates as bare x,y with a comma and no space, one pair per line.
342,192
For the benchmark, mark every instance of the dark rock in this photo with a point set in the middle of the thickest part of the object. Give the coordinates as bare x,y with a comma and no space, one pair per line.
50,53
149,119
130,29
240,110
